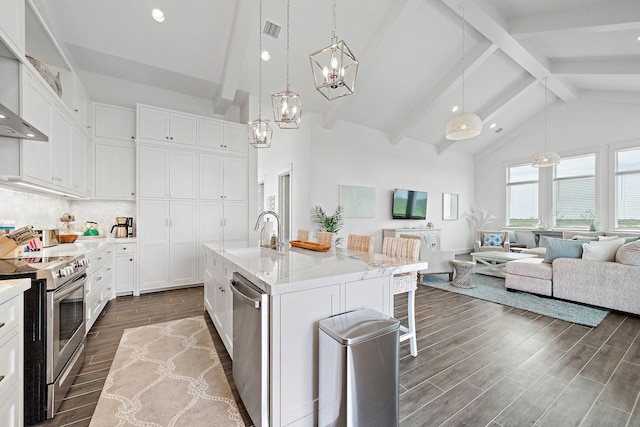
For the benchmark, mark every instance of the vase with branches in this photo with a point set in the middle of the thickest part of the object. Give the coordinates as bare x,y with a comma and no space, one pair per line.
478,217
330,223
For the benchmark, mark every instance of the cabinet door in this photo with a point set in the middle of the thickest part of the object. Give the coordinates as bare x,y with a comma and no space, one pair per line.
153,164
114,172
210,217
125,274
182,174
210,133
235,178
61,149
153,124
153,237
78,163
235,138
114,122
37,110
79,102
210,180
182,128
183,237
235,222
12,22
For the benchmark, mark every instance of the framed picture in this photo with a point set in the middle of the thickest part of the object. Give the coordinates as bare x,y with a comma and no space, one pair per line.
449,207
358,202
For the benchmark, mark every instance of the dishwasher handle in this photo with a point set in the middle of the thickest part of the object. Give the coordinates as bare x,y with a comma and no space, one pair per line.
246,294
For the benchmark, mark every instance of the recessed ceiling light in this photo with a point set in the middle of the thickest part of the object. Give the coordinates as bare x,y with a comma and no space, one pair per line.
492,125
30,135
265,55
638,38
2,116
455,108
158,15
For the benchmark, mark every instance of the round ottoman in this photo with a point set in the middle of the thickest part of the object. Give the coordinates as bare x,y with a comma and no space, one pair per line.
462,273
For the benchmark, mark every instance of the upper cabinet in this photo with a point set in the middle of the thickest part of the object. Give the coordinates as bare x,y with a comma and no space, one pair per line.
222,136
12,25
113,122
158,124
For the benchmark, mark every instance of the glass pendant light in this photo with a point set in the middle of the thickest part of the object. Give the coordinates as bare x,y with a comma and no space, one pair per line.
259,131
465,125
287,106
334,68
546,158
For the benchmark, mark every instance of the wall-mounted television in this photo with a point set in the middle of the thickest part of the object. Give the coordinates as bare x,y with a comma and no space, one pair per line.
408,204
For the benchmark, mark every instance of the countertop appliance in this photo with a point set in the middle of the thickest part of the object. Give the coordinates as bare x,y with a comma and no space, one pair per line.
251,348
54,328
123,226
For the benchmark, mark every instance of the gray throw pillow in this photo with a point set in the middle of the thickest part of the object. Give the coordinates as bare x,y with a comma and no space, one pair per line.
563,248
629,254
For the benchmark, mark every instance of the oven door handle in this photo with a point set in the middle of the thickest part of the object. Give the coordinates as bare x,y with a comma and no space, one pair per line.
57,296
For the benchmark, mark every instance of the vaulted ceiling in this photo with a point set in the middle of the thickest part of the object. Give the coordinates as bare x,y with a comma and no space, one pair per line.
410,54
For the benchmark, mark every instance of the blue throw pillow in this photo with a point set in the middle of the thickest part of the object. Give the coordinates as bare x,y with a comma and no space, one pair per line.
563,248
631,239
493,239
512,237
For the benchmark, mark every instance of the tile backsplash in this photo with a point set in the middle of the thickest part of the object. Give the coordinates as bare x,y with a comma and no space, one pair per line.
45,211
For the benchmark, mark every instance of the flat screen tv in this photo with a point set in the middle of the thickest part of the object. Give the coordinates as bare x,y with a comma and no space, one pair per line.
408,204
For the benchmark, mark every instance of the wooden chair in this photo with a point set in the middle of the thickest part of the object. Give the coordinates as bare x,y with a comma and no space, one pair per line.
405,283
356,242
325,238
303,235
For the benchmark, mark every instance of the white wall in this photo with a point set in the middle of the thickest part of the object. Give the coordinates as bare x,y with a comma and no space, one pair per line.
574,128
349,154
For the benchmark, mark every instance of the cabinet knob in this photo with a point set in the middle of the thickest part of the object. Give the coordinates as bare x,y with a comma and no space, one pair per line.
76,110
171,138
166,137
131,259
133,137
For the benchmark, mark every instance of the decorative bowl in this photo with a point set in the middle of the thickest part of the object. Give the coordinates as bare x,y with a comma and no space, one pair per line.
67,238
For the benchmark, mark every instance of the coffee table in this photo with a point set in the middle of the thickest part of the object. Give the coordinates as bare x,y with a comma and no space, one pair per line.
492,263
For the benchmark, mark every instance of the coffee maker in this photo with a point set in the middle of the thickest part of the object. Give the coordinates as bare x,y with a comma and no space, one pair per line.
123,227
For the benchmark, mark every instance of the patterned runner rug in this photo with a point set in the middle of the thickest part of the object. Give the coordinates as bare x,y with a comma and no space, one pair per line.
167,374
492,289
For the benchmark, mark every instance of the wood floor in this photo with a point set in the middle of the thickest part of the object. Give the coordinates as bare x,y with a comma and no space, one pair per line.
479,364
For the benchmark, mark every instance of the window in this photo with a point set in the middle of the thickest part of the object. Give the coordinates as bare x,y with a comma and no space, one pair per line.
627,170
522,196
574,190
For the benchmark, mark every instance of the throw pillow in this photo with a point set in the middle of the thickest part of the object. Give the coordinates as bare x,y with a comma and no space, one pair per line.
585,238
602,251
605,238
631,239
492,239
562,248
629,254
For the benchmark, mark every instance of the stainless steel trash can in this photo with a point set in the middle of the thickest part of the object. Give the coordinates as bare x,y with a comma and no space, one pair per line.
358,370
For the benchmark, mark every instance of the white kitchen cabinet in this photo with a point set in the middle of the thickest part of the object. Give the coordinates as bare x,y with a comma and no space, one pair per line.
222,178
166,173
114,122
167,244
114,167
81,162
12,359
165,125
37,109
12,24
99,285
60,140
80,103
125,268
222,136
218,298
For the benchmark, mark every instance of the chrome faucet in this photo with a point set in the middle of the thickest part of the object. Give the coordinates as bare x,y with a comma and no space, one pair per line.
275,215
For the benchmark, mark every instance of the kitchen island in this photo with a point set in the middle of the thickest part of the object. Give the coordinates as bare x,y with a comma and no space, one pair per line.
303,288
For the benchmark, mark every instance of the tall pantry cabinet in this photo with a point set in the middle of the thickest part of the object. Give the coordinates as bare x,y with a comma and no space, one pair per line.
192,188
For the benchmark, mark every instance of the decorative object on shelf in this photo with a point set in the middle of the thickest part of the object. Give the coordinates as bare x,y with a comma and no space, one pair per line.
449,207
258,131
53,81
546,158
287,106
358,202
329,223
465,125
334,68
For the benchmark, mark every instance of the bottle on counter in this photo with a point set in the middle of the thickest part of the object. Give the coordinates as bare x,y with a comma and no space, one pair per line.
273,242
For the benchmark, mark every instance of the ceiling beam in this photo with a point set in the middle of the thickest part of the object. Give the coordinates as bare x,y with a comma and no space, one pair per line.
400,13
603,67
490,25
601,17
238,42
450,82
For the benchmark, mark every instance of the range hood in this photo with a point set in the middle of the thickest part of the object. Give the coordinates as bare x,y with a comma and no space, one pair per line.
12,126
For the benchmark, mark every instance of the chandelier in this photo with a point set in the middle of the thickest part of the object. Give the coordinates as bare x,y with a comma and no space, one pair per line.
287,106
546,158
334,68
258,131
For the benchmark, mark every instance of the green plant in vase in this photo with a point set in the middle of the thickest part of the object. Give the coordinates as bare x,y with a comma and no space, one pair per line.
590,217
330,223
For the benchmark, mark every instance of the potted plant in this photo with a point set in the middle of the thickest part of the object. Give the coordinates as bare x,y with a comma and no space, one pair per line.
590,217
330,223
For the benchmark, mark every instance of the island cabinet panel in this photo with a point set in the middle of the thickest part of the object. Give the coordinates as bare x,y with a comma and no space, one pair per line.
295,359
372,293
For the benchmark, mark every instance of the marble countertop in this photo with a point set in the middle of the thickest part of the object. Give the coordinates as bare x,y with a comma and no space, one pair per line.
83,246
283,271
12,288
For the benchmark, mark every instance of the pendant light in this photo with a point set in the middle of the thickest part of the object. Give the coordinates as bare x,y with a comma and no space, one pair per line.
547,158
465,125
334,68
287,106
258,131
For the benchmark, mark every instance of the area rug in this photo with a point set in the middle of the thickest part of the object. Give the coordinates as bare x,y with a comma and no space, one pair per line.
492,289
167,374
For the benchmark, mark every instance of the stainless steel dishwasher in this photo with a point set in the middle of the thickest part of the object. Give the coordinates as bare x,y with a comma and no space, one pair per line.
251,348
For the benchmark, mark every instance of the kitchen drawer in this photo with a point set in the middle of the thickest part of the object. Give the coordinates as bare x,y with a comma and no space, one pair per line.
124,248
101,256
10,413
10,317
10,365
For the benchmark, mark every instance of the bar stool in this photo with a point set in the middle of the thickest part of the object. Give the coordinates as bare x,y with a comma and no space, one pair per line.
405,283
357,242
